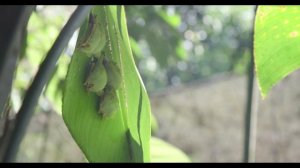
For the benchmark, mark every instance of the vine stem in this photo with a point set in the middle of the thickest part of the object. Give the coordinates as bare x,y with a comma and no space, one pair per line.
251,106
41,78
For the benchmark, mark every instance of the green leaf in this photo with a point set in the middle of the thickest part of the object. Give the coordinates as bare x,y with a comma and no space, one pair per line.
135,48
276,41
154,124
173,20
160,48
162,151
181,52
124,137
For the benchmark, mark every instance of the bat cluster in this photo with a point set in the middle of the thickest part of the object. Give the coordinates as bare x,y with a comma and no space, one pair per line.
104,75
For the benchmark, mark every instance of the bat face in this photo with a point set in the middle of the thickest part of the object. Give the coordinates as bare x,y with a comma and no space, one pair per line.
97,78
109,103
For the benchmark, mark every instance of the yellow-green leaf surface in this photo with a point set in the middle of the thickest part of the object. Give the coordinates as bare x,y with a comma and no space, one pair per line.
124,137
276,44
162,151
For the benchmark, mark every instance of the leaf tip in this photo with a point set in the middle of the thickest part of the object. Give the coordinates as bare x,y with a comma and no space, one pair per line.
262,89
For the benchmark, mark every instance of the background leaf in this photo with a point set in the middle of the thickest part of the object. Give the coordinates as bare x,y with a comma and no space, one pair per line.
276,41
162,151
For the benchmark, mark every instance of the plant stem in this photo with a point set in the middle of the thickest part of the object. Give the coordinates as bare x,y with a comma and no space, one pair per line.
12,33
251,108
42,77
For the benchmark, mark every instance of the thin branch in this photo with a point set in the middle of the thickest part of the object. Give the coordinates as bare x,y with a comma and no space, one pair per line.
250,117
43,75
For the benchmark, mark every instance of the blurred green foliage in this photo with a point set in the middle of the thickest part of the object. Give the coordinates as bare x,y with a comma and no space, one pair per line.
43,29
179,44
